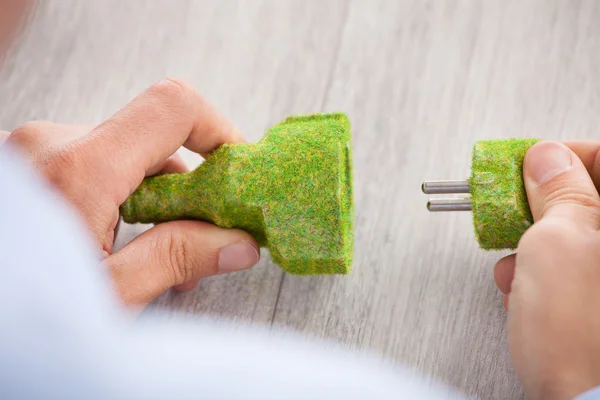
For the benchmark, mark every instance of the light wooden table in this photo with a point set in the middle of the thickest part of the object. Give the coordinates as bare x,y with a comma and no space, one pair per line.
421,81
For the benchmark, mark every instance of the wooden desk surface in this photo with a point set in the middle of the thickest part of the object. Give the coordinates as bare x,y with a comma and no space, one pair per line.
421,81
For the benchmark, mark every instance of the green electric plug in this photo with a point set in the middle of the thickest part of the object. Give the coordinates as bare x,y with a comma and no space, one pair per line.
292,191
494,192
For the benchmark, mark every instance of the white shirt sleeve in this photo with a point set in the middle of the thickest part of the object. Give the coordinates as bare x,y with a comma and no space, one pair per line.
592,394
64,335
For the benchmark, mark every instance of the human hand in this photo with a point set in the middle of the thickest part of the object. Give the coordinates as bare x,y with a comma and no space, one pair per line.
552,284
97,169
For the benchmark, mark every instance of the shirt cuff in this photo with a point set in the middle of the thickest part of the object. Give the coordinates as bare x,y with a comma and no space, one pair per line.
592,394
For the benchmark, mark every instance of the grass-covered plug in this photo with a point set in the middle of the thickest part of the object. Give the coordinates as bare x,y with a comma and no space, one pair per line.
500,209
292,191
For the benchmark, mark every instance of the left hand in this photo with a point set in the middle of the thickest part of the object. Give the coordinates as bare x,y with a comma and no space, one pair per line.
97,168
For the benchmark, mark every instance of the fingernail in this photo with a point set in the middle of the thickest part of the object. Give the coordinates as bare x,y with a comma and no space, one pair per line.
238,256
546,160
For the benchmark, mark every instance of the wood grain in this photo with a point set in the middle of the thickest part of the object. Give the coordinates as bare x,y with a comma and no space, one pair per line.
421,81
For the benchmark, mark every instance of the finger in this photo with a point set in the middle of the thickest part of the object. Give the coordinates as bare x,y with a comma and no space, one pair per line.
150,129
3,137
175,253
505,301
558,184
186,287
504,272
172,165
588,152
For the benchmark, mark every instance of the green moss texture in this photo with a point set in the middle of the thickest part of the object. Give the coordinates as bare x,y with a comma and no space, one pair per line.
292,191
500,209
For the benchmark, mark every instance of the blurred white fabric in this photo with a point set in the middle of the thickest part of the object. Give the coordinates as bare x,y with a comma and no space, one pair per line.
64,334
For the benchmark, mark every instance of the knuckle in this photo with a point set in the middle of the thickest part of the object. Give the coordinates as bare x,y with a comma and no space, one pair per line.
184,86
31,128
181,256
26,135
171,90
177,261
171,98
573,197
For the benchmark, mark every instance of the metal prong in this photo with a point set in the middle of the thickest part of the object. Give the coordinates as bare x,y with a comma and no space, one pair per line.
445,187
449,205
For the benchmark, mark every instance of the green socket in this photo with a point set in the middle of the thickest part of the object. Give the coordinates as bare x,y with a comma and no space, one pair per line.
292,191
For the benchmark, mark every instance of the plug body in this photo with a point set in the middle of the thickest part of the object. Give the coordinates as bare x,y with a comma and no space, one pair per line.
501,212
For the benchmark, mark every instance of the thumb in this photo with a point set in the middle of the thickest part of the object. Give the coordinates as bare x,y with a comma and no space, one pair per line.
175,253
558,184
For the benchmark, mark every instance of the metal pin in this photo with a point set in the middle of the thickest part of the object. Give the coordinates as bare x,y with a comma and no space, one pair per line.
449,204
445,187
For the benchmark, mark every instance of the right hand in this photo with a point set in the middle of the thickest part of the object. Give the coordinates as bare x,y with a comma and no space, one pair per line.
553,281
